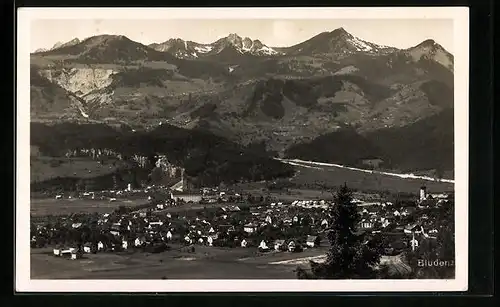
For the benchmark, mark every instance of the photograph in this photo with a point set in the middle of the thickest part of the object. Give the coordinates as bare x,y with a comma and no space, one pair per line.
231,149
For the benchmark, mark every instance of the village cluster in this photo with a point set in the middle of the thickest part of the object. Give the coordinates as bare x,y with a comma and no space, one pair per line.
266,226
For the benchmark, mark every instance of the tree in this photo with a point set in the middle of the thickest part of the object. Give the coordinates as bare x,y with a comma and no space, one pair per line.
156,175
348,256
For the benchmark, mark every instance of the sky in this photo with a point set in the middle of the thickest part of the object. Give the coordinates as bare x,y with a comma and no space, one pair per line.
400,33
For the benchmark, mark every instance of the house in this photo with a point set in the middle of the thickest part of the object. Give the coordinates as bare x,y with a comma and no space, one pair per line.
372,210
76,225
439,196
312,241
263,246
408,211
250,228
324,223
385,223
244,243
413,243
87,248
169,235
411,228
291,246
65,253
365,224
278,244
139,241
234,209
100,246
57,252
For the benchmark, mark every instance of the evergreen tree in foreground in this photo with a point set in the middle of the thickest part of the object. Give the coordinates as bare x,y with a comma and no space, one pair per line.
348,257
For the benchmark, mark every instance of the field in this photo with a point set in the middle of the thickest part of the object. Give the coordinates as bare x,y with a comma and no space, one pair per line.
45,168
204,263
333,176
177,263
41,207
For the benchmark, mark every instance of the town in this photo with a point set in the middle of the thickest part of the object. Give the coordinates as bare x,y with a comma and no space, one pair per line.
215,218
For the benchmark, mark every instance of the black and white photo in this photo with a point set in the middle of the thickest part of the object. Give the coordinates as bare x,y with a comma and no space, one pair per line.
265,150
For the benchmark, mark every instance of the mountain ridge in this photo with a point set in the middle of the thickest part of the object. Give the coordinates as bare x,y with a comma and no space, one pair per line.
331,81
336,32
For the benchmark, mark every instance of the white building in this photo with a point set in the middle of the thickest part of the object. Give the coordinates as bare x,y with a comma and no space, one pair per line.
263,245
244,243
249,228
423,193
138,242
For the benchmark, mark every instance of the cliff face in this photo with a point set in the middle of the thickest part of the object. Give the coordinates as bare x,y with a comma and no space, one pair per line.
80,81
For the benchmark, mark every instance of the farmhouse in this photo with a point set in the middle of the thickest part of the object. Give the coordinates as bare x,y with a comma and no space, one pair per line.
365,224
278,244
263,246
250,228
312,241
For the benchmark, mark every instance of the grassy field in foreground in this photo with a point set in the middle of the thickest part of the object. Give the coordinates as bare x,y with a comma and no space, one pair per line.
205,263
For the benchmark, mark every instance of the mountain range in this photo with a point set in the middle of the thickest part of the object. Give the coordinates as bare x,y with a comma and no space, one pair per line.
247,92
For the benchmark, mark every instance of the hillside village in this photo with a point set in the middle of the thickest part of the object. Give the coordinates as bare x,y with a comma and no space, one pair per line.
217,218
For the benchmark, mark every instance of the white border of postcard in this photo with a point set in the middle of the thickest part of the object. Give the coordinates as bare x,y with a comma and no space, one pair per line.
460,16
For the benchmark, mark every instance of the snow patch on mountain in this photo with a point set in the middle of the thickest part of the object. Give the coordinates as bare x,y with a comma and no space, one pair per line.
267,50
203,48
364,46
361,45
184,49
